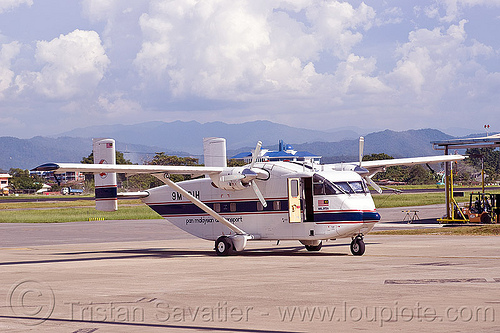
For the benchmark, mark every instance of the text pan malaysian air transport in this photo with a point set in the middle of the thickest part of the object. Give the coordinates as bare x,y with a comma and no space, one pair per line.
272,201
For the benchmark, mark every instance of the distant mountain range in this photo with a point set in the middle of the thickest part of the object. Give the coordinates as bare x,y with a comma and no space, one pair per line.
188,136
140,142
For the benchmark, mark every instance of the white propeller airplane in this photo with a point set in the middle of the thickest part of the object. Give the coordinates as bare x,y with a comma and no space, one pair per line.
272,201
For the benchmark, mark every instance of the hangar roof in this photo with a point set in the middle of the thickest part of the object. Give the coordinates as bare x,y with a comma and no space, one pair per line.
480,142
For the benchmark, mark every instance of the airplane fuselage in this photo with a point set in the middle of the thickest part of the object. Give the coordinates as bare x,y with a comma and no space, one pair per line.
302,204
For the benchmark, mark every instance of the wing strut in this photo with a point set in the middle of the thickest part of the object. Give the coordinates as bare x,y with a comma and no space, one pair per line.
202,206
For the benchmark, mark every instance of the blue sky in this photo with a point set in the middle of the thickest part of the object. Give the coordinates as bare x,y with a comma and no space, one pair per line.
313,64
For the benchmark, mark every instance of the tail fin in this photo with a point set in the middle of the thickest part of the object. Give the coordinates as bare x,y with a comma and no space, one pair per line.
105,183
214,151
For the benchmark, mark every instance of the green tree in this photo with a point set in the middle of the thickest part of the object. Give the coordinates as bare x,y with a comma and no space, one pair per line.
419,175
163,159
142,182
235,163
491,157
120,159
416,174
395,173
22,180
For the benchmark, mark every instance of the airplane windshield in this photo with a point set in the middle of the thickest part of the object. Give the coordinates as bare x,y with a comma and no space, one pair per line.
345,187
357,187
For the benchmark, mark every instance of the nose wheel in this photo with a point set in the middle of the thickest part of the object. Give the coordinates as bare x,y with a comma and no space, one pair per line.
358,246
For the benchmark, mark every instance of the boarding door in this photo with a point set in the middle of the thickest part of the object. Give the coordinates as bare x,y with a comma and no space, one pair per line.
294,209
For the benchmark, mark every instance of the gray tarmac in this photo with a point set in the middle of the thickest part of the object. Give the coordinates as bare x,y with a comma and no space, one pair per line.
148,276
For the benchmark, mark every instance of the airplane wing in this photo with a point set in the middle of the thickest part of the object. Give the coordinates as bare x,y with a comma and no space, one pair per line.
129,169
367,169
377,165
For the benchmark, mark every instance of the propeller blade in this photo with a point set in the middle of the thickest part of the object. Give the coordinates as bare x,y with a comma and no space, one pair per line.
373,184
256,153
259,194
361,148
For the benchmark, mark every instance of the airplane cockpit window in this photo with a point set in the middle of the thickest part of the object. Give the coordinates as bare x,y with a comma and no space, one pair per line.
330,189
319,189
323,186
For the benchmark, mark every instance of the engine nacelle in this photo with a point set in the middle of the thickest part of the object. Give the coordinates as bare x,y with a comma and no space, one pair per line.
231,180
238,178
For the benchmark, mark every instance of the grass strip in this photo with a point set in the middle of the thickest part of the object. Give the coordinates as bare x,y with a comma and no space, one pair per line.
77,214
415,199
59,204
483,230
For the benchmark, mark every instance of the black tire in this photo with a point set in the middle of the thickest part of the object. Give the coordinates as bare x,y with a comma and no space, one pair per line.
358,246
314,247
485,218
223,246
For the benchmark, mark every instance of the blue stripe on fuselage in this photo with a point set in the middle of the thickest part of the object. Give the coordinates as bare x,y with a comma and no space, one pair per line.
188,208
242,207
351,216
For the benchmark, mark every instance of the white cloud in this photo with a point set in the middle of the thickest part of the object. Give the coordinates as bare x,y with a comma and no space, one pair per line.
239,50
439,75
354,76
454,9
73,65
251,59
430,60
391,15
335,24
99,10
7,5
7,53
117,106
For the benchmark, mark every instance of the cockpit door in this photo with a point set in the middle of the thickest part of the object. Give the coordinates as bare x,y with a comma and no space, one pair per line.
294,208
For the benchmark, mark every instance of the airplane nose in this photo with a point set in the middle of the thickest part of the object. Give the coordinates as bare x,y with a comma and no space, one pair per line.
371,216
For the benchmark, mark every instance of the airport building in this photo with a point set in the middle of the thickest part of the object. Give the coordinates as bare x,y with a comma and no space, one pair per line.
4,179
65,177
285,153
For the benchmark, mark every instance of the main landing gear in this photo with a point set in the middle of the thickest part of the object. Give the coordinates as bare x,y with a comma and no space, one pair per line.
358,246
223,246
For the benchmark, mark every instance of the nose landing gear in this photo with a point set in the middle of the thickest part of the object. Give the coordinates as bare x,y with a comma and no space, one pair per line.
358,246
